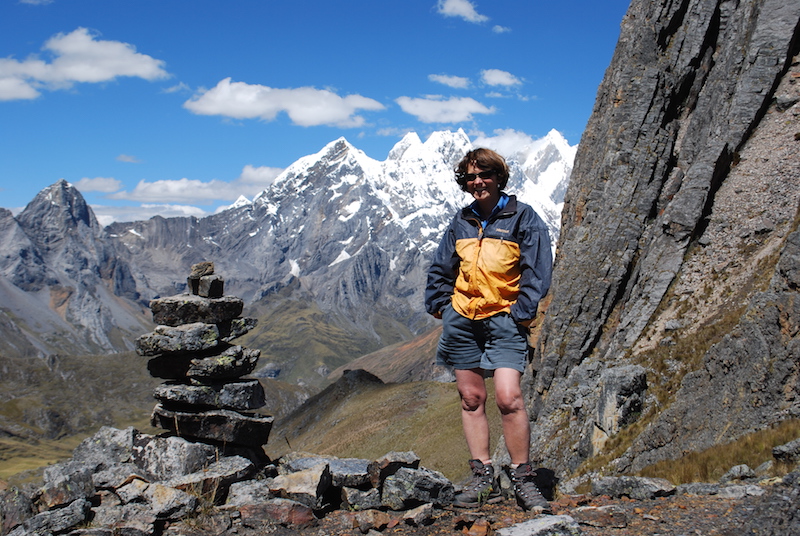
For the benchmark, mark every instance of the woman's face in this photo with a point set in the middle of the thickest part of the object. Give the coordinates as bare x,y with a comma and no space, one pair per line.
484,190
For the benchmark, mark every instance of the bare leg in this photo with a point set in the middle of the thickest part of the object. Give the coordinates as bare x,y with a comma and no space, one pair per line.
510,402
472,389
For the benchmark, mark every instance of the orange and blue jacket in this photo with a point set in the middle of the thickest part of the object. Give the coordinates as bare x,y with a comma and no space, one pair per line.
505,266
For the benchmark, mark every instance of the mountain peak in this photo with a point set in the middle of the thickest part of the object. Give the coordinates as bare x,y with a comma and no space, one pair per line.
57,207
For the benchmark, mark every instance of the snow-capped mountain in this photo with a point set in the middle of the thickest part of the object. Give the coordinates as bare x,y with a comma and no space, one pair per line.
337,230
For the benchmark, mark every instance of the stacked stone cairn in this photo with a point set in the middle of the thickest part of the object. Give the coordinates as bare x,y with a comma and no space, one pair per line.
206,396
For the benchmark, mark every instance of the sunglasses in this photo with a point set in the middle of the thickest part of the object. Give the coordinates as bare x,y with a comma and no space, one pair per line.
469,177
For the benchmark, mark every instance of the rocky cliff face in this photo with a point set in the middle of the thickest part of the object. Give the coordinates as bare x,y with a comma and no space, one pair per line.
674,302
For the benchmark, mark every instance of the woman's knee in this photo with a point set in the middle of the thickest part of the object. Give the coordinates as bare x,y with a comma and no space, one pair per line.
473,401
509,402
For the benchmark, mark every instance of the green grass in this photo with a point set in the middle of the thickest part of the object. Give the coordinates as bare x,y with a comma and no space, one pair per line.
424,417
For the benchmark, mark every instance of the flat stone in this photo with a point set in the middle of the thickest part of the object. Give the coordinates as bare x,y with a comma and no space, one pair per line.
224,426
186,338
188,308
634,487
230,364
234,362
241,395
544,525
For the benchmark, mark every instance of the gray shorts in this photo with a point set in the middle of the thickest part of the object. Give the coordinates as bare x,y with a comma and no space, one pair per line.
489,344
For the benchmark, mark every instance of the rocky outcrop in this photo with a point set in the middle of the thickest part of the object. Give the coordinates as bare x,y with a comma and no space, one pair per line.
126,482
684,194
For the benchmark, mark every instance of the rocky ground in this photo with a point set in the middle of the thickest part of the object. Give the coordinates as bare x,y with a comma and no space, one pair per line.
776,512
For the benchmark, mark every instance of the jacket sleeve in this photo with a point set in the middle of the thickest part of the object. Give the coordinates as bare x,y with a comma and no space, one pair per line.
536,264
442,274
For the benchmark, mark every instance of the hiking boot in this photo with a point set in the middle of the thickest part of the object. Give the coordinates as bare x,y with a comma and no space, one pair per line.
528,495
481,489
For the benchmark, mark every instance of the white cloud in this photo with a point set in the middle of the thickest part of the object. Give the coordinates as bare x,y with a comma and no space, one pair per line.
453,81
305,106
460,8
496,77
128,158
436,110
106,214
98,184
505,141
500,29
78,57
253,180
36,2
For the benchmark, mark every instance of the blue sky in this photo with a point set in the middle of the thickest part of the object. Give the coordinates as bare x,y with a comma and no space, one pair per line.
177,107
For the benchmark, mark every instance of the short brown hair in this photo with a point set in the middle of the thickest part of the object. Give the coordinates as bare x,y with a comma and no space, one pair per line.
485,159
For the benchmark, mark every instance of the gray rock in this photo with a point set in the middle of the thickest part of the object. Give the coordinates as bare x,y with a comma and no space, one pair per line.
650,173
233,363
53,521
220,425
132,491
740,491
162,458
115,475
212,482
389,463
635,487
357,499
738,472
306,487
15,508
170,503
66,482
789,452
697,488
408,488
543,526
238,395
249,492
236,328
185,338
420,516
188,308
351,472
135,519
108,446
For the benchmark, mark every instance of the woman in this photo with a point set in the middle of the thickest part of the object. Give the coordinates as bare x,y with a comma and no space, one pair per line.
492,267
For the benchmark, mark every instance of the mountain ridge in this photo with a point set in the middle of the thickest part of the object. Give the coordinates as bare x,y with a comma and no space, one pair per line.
337,231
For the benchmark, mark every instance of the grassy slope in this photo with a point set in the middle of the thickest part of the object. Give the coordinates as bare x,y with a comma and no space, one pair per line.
372,419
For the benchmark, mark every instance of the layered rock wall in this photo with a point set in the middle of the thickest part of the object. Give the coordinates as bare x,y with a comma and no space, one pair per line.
691,85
